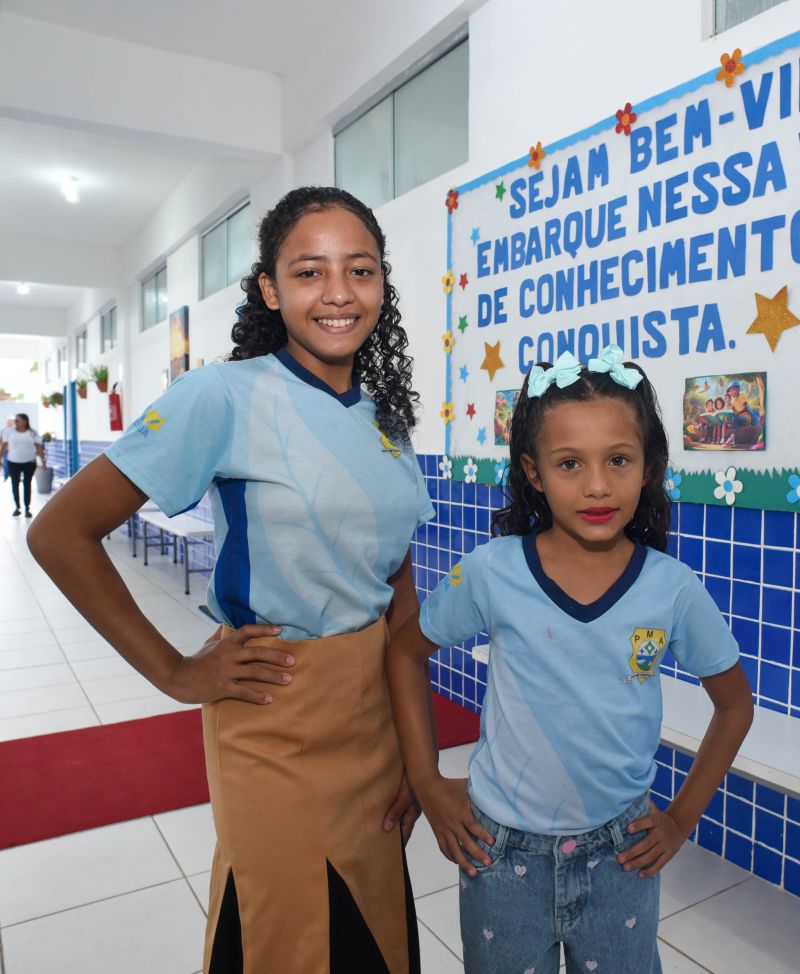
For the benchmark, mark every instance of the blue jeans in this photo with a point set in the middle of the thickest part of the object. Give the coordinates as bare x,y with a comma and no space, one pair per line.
542,889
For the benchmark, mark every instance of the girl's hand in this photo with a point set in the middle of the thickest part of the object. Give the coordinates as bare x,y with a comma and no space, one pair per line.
655,850
216,671
404,809
447,807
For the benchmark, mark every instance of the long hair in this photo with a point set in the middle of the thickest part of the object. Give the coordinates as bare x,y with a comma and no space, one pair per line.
381,363
528,509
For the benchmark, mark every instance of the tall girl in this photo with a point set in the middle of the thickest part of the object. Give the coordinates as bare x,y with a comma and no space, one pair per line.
554,831
302,440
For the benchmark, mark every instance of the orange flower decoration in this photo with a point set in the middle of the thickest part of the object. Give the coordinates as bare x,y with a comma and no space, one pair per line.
625,118
448,282
452,200
732,64
448,340
535,156
447,413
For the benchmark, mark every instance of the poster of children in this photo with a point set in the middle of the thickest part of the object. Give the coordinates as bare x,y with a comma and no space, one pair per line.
504,402
725,412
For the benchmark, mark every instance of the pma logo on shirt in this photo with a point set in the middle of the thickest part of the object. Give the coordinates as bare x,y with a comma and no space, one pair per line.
150,422
648,645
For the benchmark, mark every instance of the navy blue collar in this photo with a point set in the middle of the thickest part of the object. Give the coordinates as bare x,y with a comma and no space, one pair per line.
578,611
349,398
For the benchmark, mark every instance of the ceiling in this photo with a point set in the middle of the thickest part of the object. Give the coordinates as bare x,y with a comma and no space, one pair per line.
264,35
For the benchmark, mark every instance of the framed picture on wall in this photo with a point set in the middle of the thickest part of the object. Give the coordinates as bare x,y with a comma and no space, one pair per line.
725,412
178,342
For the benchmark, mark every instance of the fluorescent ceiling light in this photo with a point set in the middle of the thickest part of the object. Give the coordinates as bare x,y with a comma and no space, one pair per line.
23,289
69,187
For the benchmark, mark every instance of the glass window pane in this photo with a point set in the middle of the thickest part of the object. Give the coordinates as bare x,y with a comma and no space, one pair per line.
729,13
239,251
363,151
214,274
149,302
430,121
161,294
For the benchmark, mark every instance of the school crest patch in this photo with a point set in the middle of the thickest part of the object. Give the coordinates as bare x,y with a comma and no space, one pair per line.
647,646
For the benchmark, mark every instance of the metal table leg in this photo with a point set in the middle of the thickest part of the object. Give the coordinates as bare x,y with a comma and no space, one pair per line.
185,563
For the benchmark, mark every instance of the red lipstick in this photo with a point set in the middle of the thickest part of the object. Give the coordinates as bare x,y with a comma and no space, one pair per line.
598,515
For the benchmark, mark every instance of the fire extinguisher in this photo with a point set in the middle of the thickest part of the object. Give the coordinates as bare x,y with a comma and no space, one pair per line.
114,408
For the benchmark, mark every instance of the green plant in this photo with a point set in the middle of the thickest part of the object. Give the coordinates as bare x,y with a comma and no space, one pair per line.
57,399
99,373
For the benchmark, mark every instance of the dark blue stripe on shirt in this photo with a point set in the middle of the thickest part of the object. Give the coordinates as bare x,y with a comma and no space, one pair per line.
232,571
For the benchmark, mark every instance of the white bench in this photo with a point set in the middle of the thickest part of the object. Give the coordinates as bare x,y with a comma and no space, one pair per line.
147,506
183,526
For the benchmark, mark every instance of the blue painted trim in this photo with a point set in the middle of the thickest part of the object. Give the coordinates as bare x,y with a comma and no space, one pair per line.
232,571
74,445
655,101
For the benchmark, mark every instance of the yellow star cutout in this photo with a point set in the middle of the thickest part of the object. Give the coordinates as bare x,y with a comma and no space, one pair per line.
492,362
774,317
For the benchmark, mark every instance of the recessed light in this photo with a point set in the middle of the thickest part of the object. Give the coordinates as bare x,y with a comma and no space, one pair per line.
69,187
23,289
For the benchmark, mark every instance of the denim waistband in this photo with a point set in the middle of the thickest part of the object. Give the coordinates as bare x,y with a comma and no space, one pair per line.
567,846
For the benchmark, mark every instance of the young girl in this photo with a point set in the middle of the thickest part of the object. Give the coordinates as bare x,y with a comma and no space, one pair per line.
555,834
316,494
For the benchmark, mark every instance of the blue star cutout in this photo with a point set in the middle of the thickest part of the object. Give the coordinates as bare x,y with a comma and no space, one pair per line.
481,435
463,372
475,236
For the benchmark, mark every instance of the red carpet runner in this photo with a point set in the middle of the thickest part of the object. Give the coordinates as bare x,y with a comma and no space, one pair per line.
61,783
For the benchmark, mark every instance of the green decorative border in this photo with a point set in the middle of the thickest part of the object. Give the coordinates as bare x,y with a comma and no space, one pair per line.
765,490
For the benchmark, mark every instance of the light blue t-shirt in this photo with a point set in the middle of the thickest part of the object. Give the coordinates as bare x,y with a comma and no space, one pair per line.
314,509
572,715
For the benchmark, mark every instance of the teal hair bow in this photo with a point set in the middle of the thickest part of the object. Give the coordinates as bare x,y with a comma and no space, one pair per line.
611,361
566,371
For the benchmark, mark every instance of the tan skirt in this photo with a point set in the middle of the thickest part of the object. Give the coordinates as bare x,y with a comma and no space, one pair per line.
299,787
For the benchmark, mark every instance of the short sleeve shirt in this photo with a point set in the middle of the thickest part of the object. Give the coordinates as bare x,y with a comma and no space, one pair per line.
314,507
572,715
21,446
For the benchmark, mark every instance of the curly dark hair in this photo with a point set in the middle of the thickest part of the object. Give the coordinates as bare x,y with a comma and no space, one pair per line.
381,363
528,509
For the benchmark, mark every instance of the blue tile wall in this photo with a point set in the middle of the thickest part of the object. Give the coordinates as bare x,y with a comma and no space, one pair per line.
748,561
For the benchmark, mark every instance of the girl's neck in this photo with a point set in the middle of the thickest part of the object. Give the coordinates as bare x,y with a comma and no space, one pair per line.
583,571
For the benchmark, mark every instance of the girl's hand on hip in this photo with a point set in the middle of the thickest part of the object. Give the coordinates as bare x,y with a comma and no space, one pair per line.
447,807
216,672
655,850
404,809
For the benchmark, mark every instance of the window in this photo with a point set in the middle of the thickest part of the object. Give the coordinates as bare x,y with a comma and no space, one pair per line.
729,13
226,255
108,329
154,298
415,132
61,362
80,347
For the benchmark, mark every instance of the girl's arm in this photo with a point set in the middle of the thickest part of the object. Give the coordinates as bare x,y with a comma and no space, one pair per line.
667,831
66,538
443,800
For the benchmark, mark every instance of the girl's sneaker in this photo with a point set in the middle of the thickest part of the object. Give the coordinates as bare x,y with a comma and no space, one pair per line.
17,513
28,512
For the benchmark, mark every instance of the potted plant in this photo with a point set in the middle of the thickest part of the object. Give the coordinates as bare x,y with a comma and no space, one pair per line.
45,401
82,387
100,376
44,475
57,399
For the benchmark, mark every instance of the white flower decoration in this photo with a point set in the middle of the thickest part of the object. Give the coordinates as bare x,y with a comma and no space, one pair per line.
446,466
470,471
728,487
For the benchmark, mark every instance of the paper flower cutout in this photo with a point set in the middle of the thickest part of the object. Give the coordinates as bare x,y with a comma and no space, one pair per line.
448,282
728,487
463,281
625,118
672,481
794,494
470,471
536,156
446,466
447,412
732,64
448,340
501,473
452,200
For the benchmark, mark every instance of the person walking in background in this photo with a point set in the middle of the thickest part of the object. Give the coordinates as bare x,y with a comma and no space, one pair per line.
20,446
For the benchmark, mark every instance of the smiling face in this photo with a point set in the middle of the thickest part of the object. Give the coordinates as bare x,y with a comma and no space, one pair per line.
590,465
328,287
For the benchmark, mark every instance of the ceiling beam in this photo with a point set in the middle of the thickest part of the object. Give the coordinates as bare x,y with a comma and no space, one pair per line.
46,322
44,260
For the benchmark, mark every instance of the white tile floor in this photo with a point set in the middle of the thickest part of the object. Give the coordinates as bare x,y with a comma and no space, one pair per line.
130,898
